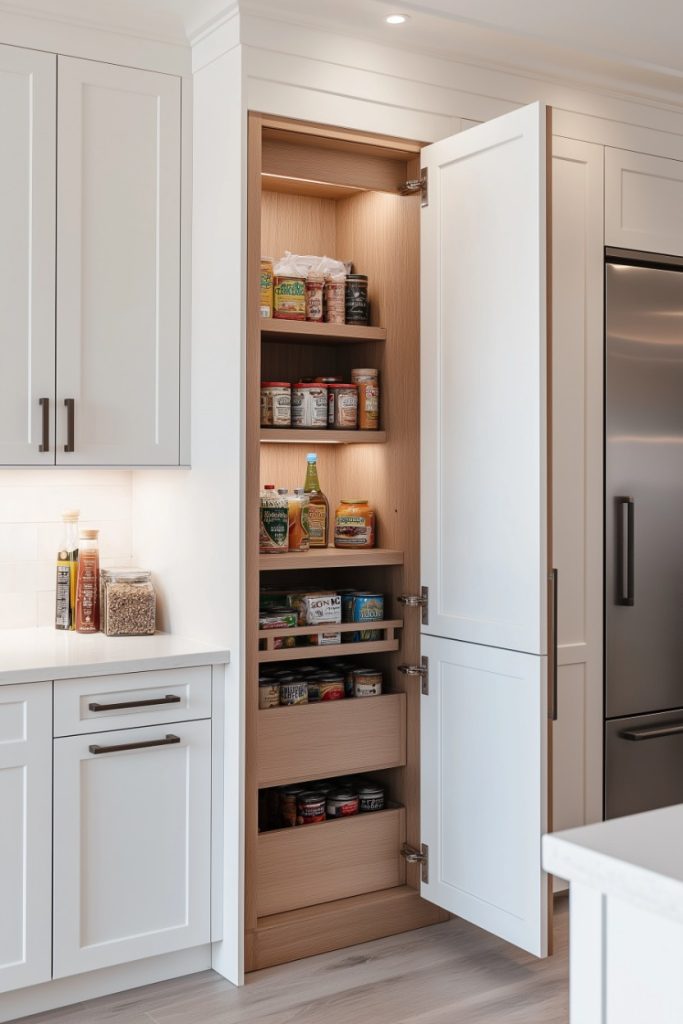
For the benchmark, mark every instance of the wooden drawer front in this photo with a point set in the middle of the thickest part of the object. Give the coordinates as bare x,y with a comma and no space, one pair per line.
74,698
317,741
300,867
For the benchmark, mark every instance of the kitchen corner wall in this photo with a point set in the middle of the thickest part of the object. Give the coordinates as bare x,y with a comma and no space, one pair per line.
31,504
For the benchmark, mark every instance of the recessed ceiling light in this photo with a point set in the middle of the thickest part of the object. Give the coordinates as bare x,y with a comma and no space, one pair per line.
396,19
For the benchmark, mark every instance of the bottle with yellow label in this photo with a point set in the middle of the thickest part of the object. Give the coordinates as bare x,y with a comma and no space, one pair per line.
319,506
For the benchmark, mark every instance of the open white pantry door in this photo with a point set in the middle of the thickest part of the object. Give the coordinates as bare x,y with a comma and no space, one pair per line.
484,516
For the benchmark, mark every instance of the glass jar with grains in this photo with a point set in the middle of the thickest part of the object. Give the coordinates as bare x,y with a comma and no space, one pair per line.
128,602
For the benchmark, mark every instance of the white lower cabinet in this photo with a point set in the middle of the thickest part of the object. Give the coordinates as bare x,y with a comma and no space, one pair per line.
132,844
25,834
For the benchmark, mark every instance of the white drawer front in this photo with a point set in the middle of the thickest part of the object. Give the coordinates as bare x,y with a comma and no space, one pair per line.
100,703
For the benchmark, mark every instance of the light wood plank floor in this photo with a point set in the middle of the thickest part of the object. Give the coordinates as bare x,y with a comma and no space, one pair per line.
448,974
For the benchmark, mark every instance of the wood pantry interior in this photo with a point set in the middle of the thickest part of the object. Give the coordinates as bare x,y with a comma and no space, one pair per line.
320,190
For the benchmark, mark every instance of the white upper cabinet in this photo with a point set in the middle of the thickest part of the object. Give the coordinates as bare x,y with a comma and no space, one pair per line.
483,465
27,256
484,511
118,265
25,835
643,202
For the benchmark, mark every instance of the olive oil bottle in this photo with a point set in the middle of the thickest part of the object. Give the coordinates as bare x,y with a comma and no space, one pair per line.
319,506
67,571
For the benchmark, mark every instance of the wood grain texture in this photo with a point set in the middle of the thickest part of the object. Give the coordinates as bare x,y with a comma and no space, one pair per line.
301,867
299,224
301,330
453,973
330,558
280,435
317,741
344,166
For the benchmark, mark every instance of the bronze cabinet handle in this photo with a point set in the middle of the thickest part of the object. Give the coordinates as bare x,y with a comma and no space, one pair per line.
170,698
95,748
70,404
44,404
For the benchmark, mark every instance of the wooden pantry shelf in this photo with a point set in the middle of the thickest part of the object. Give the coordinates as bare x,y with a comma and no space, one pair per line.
318,334
281,435
389,642
330,558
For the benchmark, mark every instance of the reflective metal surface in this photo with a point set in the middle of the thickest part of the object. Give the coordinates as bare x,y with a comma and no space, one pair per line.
645,774
644,463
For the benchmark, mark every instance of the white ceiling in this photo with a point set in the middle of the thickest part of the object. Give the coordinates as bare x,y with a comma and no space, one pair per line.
634,44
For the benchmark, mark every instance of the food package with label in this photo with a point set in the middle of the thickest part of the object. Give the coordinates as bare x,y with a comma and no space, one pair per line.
277,618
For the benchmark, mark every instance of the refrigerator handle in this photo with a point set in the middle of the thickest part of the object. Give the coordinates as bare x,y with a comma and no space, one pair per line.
625,550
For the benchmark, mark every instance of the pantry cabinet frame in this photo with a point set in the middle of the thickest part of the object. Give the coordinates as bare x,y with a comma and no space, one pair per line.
327,157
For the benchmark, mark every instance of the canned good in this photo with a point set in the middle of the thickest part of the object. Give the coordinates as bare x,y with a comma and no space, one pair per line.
357,309
335,292
288,798
310,808
268,692
370,798
276,403
368,398
347,597
332,688
342,803
354,524
295,692
367,683
367,608
315,289
342,406
313,691
289,298
309,406
266,301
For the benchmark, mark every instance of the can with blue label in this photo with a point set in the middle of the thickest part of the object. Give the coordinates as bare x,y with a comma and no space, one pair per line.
367,608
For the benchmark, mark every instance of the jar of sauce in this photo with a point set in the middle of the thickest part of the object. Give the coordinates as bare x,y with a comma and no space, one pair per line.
310,808
354,524
342,406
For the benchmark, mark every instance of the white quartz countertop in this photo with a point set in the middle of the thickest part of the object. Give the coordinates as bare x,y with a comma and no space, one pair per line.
34,655
638,858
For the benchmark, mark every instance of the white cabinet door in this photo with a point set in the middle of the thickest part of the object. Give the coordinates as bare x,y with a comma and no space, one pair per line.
484,510
577,404
28,83
483,787
132,845
643,202
25,834
483,331
118,265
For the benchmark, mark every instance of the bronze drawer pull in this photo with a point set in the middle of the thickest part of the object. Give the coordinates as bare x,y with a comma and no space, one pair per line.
170,698
95,748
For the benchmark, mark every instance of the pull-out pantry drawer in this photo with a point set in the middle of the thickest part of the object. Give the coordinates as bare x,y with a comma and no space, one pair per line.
317,741
98,703
300,867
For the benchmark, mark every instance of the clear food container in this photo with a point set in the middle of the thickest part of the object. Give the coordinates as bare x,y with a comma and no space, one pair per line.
128,602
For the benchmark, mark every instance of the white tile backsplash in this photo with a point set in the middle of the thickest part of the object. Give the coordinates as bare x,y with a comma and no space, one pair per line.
31,505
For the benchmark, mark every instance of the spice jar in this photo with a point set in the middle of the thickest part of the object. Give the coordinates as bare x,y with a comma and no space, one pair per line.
309,406
371,797
342,406
341,803
368,397
129,602
266,301
335,290
310,807
289,298
276,403
354,524
315,287
356,304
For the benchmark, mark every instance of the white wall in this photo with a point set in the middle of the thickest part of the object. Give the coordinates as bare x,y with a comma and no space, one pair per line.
31,503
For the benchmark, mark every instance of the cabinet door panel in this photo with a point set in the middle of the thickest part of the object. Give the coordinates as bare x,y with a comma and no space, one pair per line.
643,202
28,81
483,728
483,342
132,846
118,264
25,834
484,514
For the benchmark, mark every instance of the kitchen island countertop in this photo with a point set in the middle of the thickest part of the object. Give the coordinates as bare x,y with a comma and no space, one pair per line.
35,655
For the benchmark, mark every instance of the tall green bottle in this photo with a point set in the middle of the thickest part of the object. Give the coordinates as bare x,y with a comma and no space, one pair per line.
319,509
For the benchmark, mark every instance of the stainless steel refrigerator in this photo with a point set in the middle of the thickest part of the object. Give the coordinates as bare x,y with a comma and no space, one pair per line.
643,532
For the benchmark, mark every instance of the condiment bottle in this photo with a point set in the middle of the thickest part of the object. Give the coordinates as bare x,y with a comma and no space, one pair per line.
319,507
67,570
88,585
274,521
299,525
